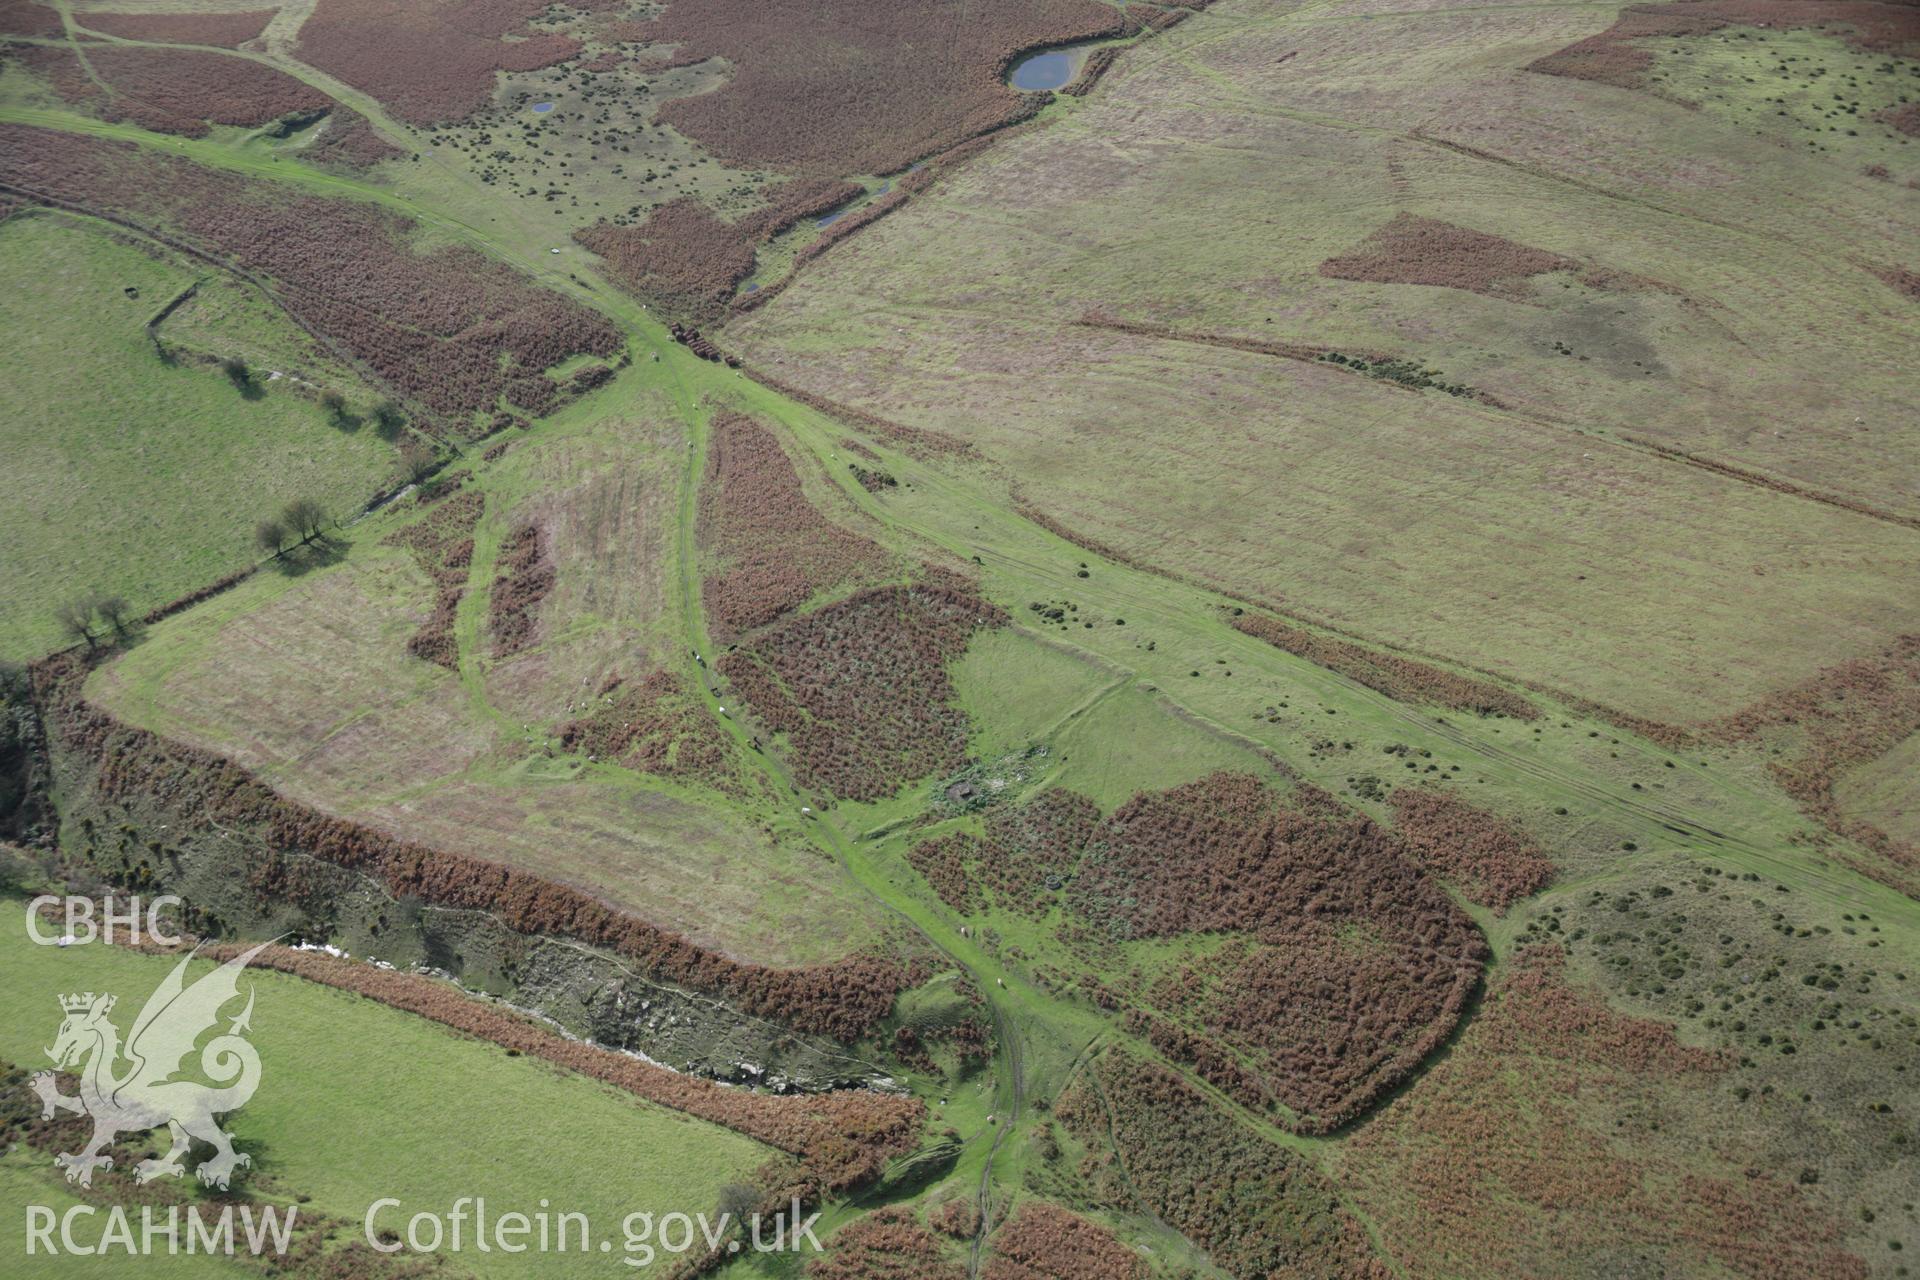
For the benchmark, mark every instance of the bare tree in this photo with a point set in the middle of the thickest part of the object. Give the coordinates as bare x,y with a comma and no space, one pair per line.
305,518
237,372
114,611
270,536
76,620
418,459
739,1200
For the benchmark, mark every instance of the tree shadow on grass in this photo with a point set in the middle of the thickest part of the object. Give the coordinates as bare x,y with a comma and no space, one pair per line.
299,561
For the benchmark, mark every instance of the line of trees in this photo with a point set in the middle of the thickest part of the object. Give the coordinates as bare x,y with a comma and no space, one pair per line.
91,618
300,523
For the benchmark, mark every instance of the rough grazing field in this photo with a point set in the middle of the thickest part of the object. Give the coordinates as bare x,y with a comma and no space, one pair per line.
1812,1009
449,328
603,500
207,795
376,736
1886,792
1548,541
110,452
1854,715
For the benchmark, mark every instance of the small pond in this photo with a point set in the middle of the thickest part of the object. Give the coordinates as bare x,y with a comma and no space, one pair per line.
541,108
1048,69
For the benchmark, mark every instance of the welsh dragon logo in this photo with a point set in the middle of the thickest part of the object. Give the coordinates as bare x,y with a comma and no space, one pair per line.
145,1093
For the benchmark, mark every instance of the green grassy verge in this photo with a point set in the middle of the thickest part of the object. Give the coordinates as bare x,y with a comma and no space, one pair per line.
127,475
359,1102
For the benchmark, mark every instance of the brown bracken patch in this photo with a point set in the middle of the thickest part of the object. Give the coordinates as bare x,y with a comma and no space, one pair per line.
429,61
1398,677
522,580
689,261
1415,250
1161,1147
1500,1165
655,725
887,1244
1492,860
772,547
1900,279
181,91
683,256
349,140
832,87
1342,964
1348,966
1045,1242
860,689
1904,118
221,30
25,18
443,545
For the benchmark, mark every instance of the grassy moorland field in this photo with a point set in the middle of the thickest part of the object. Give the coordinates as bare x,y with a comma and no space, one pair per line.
1190,689
115,451
358,1102
1650,296
1884,791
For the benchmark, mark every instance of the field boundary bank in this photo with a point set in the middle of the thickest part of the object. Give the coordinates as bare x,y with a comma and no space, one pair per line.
200,255
894,1119
1761,480
1307,353
841,999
